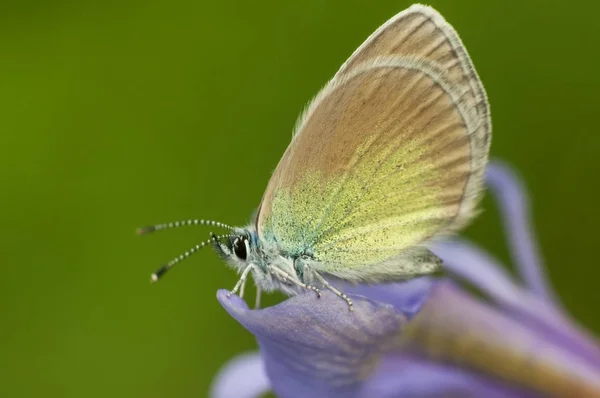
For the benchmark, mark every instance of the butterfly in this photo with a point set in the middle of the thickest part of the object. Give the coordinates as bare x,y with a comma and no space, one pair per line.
389,156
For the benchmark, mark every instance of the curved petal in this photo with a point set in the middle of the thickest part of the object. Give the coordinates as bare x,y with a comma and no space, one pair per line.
407,297
474,265
410,376
454,328
318,347
242,377
513,203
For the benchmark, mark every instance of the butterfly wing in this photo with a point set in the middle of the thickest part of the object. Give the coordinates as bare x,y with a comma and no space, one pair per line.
390,154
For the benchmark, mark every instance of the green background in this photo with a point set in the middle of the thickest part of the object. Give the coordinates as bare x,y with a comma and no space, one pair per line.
119,114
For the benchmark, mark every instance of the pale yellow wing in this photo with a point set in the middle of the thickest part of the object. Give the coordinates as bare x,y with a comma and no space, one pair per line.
388,155
423,33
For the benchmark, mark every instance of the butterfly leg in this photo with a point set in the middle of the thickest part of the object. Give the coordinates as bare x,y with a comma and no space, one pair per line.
242,282
284,277
327,285
257,302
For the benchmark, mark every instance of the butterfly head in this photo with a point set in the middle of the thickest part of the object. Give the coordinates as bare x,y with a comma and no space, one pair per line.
238,249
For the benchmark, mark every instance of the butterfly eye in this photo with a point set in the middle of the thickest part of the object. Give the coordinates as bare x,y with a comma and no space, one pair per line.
239,248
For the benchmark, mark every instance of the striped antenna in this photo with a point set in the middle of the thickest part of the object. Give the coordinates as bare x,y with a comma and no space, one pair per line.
177,224
162,270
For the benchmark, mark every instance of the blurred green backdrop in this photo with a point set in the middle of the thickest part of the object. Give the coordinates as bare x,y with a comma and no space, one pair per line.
118,114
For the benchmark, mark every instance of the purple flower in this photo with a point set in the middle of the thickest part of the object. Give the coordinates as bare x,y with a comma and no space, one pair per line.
426,337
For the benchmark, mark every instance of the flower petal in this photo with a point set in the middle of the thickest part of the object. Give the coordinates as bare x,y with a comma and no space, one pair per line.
464,259
407,376
407,297
454,328
318,347
242,377
474,265
511,196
